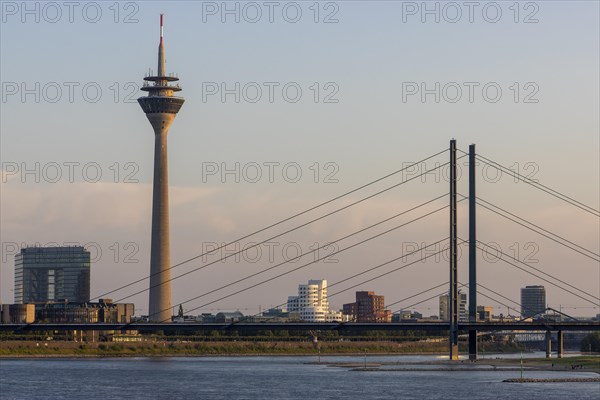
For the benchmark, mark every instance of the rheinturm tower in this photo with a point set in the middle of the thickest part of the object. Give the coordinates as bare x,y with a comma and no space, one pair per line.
161,106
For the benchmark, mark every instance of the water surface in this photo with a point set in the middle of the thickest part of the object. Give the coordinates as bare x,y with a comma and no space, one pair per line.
270,378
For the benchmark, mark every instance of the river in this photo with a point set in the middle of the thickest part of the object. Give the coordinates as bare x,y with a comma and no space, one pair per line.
271,378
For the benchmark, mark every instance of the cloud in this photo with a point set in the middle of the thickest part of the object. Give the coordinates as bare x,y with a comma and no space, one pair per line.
83,206
107,212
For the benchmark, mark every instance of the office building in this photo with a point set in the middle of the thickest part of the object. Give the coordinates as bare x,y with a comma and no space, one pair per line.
533,301
445,307
229,317
406,316
18,313
104,311
311,303
46,274
484,313
368,308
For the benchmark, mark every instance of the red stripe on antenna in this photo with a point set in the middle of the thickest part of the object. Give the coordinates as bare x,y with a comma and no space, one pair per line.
161,28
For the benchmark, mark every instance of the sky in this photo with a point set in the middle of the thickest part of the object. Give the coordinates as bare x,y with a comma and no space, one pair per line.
288,105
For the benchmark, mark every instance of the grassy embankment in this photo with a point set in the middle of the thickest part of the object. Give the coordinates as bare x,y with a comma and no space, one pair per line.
587,362
161,348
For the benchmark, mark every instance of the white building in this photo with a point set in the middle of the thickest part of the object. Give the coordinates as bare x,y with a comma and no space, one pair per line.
312,304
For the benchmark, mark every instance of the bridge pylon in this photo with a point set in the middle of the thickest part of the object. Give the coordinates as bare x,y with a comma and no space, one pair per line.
453,292
472,256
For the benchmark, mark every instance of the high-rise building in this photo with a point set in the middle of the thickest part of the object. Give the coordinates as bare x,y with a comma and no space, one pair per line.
484,313
311,303
45,274
533,301
368,308
161,107
445,307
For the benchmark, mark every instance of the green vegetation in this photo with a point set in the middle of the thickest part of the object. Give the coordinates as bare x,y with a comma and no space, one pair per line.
494,347
274,345
21,348
586,362
591,343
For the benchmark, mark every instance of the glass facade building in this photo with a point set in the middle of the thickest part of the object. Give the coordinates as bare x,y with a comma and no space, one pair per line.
46,274
533,301
445,307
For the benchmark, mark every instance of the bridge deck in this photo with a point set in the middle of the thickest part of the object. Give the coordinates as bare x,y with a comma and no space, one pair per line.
307,326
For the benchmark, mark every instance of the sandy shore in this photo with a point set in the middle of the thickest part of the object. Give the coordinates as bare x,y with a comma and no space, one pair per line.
573,364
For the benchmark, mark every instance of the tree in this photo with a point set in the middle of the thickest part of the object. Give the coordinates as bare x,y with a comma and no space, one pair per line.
591,342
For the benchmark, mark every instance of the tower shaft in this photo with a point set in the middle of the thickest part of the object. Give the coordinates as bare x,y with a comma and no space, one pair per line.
161,108
160,259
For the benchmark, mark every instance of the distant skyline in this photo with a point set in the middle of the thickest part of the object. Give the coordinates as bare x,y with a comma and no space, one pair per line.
367,73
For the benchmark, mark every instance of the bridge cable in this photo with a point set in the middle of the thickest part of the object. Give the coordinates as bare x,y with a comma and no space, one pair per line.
460,286
304,254
362,273
539,186
539,270
515,302
407,298
289,218
415,295
389,272
537,276
507,306
544,230
336,283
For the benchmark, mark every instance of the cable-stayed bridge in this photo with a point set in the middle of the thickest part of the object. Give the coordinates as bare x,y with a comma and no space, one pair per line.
450,245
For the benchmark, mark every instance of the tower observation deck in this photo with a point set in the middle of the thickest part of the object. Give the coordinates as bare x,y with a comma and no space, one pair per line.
161,97
161,106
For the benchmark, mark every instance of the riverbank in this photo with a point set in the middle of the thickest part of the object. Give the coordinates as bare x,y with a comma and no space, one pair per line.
552,380
44,349
576,364
570,364
62,349
588,363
